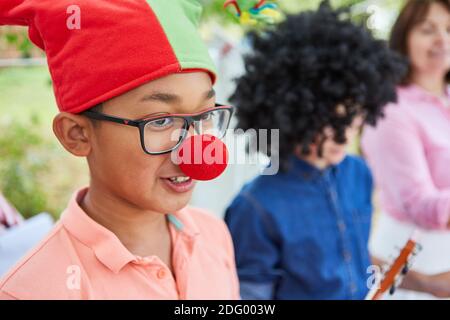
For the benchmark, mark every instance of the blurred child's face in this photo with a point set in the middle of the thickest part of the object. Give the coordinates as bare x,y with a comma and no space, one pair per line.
429,42
332,152
117,162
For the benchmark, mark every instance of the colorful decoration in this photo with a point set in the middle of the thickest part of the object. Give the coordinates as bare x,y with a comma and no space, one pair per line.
253,12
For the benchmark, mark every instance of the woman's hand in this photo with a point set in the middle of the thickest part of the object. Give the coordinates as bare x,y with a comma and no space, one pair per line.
438,285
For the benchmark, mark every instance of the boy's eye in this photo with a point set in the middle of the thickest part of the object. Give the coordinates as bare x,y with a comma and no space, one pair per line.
161,123
206,116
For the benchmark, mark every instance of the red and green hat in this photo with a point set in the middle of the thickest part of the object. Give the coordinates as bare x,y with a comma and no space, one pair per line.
99,49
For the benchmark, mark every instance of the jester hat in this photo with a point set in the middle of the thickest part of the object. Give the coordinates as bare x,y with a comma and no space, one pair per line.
100,49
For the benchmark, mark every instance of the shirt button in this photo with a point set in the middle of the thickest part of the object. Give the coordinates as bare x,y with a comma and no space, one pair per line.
347,256
161,273
341,226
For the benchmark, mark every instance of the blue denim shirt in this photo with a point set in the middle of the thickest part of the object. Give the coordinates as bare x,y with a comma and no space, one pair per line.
304,234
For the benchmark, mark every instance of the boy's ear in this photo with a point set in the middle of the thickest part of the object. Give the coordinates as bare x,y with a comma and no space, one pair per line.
74,132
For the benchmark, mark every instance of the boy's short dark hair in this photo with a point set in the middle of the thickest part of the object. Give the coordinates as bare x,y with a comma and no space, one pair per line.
315,69
96,108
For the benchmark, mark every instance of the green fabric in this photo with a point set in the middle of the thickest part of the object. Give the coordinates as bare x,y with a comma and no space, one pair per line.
179,19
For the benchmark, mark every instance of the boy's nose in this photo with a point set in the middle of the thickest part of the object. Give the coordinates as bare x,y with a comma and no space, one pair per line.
203,157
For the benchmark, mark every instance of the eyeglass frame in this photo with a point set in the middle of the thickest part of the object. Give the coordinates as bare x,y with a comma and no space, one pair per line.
189,119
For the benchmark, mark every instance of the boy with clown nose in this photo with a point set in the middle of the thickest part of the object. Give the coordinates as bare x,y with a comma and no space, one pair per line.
133,82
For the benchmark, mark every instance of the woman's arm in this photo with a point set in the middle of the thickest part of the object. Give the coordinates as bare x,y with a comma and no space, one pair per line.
396,154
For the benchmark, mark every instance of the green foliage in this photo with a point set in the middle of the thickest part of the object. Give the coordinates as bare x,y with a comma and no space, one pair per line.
36,173
360,11
213,9
21,42
25,156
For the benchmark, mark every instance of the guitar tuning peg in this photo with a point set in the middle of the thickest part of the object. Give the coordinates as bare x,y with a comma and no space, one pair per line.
392,290
396,283
409,264
405,269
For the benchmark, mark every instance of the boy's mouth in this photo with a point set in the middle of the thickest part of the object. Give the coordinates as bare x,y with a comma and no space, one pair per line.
178,180
180,183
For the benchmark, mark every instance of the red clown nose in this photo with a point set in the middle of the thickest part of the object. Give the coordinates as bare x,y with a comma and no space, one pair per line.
203,157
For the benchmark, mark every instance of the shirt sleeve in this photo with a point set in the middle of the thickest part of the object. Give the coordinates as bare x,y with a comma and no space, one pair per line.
257,291
256,250
396,155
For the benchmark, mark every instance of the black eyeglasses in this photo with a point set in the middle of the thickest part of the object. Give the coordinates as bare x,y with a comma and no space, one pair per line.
164,133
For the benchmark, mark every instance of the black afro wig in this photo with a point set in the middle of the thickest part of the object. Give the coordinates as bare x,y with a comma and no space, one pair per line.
314,70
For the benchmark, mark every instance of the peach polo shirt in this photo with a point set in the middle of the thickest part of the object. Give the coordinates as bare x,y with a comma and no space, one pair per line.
80,259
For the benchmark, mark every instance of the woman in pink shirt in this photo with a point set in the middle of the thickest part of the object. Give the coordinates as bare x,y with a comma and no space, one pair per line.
409,150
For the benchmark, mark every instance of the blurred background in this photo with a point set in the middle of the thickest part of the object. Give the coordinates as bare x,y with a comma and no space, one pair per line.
38,175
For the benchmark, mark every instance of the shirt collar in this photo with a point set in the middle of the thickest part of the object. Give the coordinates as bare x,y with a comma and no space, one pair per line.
308,171
106,245
414,91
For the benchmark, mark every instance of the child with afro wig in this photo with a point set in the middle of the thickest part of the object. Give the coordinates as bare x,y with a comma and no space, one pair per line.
303,233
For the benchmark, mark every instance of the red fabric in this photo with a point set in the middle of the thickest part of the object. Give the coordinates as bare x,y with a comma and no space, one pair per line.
105,57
